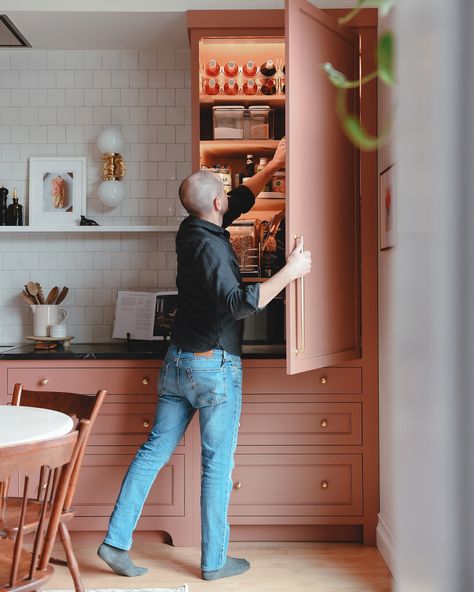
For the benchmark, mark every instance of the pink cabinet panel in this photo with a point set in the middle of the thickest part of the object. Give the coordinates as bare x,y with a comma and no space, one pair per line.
123,424
291,424
326,380
113,380
101,477
297,485
323,309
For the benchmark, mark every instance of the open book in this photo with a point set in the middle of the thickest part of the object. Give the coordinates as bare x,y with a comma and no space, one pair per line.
144,315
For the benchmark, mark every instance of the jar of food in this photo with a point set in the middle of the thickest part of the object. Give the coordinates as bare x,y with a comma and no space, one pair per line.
231,69
279,182
249,69
231,87
211,86
212,68
244,241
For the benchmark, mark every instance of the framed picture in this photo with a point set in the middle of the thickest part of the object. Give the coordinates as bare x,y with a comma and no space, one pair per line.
387,208
57,191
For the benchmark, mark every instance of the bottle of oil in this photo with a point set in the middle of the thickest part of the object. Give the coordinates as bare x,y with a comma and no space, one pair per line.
3,206
15,212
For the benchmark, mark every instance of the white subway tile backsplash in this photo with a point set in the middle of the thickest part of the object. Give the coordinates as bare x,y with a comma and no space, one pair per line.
110,59
65,78
120,79
10,79
138,79
58,107
47,115
101,78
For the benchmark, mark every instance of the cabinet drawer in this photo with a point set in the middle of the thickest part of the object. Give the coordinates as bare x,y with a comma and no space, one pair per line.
86,380
123,424
291,424
297,485
101,477
325,380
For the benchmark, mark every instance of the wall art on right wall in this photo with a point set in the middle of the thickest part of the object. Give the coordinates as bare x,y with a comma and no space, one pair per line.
387,208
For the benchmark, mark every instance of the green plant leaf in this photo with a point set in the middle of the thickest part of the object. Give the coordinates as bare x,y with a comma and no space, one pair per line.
385,58
384,6
337,78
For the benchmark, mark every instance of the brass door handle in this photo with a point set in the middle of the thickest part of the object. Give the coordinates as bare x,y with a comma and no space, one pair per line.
324,423
44,381
238,485
324,484
301,332
146,423
146,380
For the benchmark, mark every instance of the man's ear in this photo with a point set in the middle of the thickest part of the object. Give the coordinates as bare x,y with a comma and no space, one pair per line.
218,203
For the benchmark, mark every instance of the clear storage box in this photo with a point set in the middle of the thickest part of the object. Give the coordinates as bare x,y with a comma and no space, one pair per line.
261,122
228,122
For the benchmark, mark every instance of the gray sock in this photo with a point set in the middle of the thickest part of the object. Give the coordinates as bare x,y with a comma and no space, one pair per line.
232,567
119,561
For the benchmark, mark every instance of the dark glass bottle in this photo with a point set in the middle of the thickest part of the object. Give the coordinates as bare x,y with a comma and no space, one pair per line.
249,166
3,206
15,212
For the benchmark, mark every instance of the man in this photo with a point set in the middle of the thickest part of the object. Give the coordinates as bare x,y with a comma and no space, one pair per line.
202,368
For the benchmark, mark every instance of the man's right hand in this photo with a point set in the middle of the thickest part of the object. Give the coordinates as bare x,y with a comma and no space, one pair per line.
298,263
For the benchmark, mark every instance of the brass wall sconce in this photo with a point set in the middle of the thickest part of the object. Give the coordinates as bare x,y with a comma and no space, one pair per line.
111,190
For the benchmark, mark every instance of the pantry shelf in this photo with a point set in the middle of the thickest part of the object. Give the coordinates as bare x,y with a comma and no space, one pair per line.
86,229
272,100
228,148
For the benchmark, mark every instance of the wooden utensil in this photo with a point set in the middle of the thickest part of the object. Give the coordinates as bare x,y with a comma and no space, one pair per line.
26,297
62,295
32,290
52,295
40,293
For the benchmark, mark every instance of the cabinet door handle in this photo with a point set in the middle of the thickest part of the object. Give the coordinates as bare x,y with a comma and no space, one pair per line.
324,423
301,333
240,424
324,484
44,381
146,423
324,380
146,380
238,485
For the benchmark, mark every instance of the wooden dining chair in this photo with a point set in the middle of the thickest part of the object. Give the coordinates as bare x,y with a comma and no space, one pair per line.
80,407
21,569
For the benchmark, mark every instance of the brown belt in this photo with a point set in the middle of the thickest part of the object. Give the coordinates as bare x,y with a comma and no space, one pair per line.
207,354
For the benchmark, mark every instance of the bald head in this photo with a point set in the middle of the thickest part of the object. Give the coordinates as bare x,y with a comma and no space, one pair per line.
198,192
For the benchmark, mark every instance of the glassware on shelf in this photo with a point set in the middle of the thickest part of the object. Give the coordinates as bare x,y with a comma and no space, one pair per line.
231,87
268,68
268,87
231,69
211,86
250,87
212,68
249,69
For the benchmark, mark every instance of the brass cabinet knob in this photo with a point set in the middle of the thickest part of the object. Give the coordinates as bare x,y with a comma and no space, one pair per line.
44,381
324,423
324,484
238,485
323,380
146,380
146,423
240,424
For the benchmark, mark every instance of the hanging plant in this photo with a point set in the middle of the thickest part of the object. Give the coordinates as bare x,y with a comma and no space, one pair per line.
385,71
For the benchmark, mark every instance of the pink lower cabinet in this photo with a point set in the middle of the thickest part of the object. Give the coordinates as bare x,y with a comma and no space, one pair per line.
296,488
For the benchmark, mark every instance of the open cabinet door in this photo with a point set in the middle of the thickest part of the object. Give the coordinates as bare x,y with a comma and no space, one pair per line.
323,309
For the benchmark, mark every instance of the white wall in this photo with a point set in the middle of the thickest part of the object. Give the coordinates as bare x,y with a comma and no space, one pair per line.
55,103
433,320
386,158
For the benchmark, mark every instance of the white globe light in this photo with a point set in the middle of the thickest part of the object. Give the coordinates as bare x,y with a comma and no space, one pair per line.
110,140
111,193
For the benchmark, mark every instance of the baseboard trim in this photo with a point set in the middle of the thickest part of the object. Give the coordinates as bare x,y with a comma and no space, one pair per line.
386,544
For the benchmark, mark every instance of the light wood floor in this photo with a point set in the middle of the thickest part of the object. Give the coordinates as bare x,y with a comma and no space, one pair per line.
275,567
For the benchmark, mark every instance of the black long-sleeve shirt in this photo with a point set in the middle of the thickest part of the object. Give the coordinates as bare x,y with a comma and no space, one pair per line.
212,300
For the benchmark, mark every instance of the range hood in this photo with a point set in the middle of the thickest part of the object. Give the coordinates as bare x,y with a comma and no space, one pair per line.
10,36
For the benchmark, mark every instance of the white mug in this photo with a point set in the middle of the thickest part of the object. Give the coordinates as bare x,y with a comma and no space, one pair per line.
58,331
45,315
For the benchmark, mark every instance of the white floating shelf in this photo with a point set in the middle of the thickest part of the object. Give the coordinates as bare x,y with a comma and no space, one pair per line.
97,229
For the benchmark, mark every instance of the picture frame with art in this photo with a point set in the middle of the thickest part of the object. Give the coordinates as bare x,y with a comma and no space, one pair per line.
387,208
57,195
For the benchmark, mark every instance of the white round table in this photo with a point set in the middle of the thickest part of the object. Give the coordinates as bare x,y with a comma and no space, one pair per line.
19,425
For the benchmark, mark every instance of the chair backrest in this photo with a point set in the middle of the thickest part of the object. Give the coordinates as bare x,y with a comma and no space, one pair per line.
21,569
82,407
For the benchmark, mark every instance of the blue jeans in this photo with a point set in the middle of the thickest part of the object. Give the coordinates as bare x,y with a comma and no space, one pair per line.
212,384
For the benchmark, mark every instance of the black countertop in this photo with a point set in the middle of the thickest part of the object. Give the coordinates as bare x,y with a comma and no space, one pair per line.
131,350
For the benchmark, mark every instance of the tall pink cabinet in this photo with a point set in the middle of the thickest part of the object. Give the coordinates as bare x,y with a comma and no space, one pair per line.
306,466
